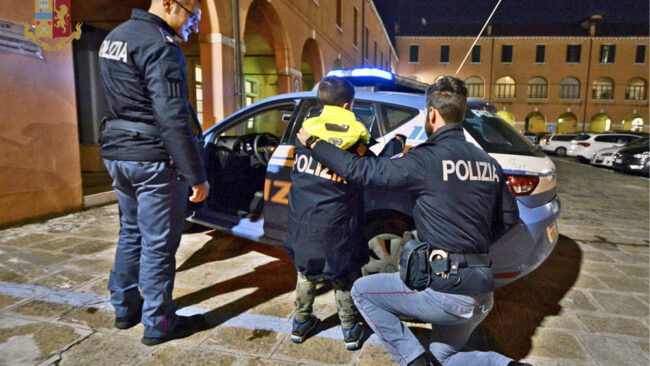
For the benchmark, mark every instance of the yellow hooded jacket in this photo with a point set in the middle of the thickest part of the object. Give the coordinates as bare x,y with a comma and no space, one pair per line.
338,126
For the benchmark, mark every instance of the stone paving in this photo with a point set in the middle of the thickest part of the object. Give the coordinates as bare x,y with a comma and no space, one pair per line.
586,305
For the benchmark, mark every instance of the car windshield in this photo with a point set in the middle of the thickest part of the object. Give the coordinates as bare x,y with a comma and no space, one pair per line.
496,135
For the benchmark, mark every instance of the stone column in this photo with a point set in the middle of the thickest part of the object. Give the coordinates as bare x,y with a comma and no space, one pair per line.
217,63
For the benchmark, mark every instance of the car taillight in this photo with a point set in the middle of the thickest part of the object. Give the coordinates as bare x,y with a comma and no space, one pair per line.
585,144
522,185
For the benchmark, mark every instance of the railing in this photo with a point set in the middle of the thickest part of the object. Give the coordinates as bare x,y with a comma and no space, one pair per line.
569,91
504,90
602,92
537,91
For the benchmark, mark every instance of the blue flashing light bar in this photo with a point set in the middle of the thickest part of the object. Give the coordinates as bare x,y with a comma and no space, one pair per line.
361,72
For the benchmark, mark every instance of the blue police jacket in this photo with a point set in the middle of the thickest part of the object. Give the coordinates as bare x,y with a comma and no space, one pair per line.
462,202
145,80
324,232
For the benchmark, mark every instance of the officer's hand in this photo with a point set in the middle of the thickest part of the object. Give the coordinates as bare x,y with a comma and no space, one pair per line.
303,135
200,192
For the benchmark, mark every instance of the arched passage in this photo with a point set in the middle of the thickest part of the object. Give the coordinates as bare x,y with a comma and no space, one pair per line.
633,122
507,116
311,64
600,122
566,123
535,122
266,60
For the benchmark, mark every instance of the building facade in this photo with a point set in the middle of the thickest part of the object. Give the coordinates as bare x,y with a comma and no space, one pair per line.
52,106
543,84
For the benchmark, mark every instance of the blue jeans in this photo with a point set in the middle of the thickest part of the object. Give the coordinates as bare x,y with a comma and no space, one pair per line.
383,299
152,205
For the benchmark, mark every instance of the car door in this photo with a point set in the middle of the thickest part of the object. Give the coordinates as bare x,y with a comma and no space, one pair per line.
238,152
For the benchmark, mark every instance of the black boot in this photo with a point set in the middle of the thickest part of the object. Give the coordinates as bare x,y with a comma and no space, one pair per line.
186,326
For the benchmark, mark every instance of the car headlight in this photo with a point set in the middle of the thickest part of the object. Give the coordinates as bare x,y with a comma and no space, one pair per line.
645,154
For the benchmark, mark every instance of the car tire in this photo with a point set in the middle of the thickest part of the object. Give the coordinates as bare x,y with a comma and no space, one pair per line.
583,160
385,244
560,151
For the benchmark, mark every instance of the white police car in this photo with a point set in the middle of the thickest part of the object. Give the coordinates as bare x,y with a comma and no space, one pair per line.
249,156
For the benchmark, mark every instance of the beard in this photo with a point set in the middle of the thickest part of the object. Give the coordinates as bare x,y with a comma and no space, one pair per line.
428,128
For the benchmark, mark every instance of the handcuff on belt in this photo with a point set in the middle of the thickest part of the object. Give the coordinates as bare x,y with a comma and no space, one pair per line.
439,254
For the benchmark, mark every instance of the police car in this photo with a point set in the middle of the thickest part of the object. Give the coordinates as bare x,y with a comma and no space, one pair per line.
249,156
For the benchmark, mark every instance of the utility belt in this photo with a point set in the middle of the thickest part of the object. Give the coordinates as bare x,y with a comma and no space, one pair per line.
124,125
422,266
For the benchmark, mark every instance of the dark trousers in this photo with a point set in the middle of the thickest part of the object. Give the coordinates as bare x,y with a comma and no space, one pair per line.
152,205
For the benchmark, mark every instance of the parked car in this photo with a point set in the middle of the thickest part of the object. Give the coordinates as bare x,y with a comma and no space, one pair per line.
531,136
557,144
250,156
584,146
634,157
604,157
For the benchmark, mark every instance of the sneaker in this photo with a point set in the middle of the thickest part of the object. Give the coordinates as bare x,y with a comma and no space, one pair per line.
186,326
353,337
301,330
127,322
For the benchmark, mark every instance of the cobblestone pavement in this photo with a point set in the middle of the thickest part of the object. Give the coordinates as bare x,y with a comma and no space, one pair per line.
586,305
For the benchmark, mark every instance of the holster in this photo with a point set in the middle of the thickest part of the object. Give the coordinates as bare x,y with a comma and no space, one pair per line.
445,272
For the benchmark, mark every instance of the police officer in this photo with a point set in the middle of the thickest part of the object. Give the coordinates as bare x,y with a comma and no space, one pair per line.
457,215
151,154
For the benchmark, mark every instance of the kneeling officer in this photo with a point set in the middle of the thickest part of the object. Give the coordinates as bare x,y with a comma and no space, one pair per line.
456,216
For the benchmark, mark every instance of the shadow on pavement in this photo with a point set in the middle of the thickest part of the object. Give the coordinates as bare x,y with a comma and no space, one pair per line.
519,308
270,280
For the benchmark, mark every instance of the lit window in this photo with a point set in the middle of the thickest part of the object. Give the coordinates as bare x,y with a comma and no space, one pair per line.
607,53
505,87
603,88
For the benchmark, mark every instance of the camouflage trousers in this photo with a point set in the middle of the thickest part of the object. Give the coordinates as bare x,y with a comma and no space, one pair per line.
306,292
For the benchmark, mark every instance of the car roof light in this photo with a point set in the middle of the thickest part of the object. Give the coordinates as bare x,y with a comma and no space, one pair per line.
362,72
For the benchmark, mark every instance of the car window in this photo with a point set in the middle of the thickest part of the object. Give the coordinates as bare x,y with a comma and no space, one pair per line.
606,138
582,137
563,137
623,139
395,116
273,120
366,114
496,135
363,111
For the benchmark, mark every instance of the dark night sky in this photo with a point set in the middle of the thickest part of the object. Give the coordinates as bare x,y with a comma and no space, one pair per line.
514,17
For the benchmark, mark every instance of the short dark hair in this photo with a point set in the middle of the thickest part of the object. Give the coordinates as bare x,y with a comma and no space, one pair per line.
333,90
449,97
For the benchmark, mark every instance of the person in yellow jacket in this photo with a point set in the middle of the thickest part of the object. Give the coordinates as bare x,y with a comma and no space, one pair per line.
324,236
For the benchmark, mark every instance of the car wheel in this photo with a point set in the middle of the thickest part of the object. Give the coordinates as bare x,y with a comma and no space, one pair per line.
385,244
560,151
583,160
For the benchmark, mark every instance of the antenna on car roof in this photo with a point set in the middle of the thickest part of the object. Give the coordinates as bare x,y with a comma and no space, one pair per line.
477,37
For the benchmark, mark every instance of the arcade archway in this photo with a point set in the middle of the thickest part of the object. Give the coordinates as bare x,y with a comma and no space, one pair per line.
311,64
567,123
600,122
633,122
535,122
507,116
